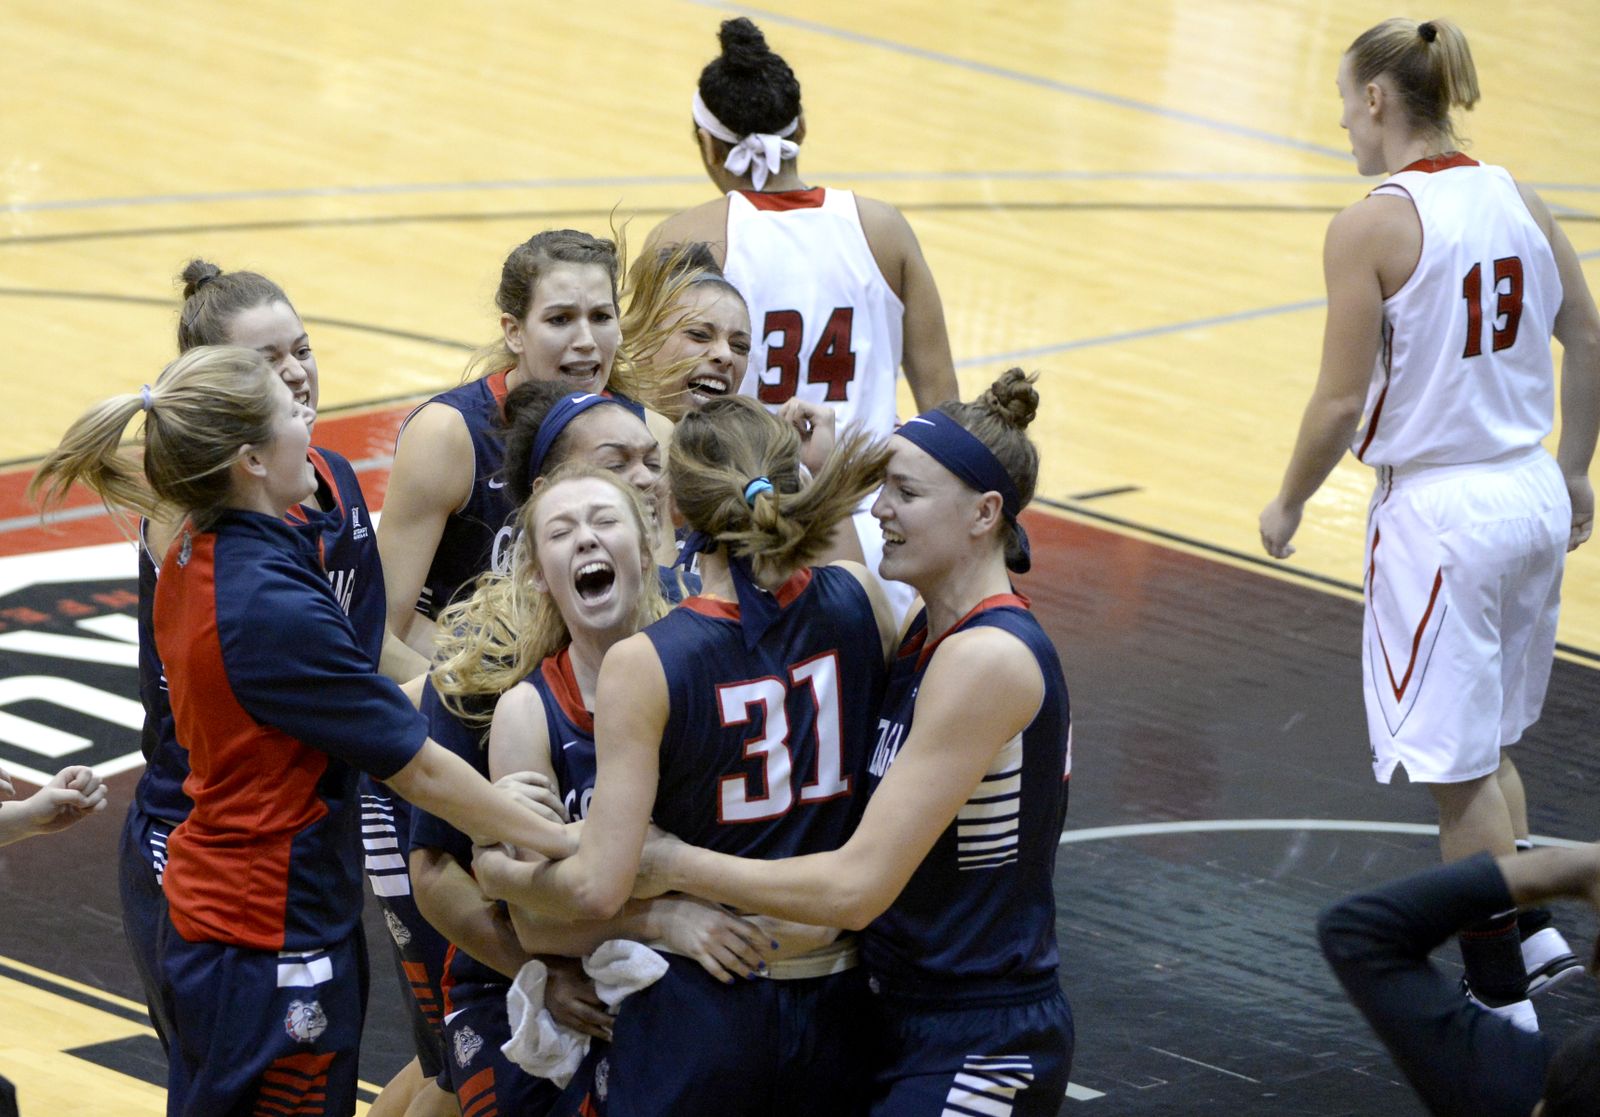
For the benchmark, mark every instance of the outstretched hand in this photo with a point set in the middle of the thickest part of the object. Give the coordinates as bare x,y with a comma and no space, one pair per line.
816,425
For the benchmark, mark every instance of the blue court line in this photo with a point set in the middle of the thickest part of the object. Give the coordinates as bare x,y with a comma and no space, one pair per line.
382,189
1136,335
1157,331
987,69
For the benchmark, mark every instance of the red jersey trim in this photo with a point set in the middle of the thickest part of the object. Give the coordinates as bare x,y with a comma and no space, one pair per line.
998,601
1439,163
497,387
563,684
1399,687
782,200
719,609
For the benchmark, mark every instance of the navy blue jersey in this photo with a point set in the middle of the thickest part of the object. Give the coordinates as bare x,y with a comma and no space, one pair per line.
571,731
276,699
677,584
429,831
478,535
348,551
764,750
982,904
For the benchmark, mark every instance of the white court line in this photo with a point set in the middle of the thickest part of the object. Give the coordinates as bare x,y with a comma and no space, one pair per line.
1213,825
1083,1093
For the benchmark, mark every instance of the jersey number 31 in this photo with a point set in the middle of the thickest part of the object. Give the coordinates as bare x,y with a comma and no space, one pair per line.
751,798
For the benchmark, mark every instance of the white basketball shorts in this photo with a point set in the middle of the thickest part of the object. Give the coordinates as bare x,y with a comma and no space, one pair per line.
1463,586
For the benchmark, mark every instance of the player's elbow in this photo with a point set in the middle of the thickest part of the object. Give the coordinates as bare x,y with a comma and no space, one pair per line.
595,900
856,903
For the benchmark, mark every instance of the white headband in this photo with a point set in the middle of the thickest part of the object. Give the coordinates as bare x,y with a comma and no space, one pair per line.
759,153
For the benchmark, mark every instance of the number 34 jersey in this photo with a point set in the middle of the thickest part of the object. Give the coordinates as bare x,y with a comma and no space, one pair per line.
765,750
826,325
1463,371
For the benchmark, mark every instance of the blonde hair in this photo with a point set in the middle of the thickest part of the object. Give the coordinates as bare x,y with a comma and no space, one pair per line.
998,418
657,282
719,449
495,638
205,406
1430,65
519,283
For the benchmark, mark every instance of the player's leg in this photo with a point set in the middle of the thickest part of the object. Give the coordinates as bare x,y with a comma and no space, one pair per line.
140,857
484,1081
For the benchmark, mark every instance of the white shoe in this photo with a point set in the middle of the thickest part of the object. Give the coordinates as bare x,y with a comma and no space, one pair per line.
1548,960
1520,1013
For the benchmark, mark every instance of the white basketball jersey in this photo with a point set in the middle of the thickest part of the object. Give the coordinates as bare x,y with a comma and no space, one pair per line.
826,326
1464,371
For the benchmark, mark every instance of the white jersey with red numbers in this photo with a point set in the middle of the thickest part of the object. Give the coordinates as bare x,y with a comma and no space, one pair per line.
825,324
1464,372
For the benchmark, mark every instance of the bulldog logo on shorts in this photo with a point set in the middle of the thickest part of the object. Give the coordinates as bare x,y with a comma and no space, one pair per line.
602,1073
397,929
467,1044
306,1021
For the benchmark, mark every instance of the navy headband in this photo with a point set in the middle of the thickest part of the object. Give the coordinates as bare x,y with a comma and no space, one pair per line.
556,420
964,454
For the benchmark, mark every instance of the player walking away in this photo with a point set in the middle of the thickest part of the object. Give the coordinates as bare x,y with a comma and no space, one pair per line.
839,294
277,703
1445,285
742,720
950,870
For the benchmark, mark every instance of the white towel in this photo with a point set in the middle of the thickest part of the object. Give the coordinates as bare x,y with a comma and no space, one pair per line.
546,1049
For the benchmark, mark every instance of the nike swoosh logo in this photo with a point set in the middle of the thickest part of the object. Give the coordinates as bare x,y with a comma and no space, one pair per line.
495,483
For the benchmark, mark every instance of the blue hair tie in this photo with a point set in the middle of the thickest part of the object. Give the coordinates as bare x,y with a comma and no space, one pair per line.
755,487
144,397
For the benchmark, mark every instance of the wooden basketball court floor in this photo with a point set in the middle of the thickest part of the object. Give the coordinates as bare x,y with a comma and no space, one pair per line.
1128,197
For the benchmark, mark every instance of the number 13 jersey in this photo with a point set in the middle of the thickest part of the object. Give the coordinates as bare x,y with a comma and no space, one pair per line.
764,750
1463,371
825,324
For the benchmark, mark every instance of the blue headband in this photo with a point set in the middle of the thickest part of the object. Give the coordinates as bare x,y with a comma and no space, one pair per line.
964,454
556,420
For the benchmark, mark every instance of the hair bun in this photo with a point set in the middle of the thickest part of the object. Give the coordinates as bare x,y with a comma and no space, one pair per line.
743,44
1428,31
196,274
1012,398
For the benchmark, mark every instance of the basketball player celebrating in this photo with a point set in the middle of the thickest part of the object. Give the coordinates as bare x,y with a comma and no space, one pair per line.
839,294
950,870
446,512
278,704
742,720
1445,285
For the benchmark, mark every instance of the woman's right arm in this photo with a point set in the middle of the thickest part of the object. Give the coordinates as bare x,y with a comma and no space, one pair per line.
431,479
925,353
449,898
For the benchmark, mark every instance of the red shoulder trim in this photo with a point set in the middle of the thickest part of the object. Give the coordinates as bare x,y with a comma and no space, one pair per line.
782,200
998,601
718,609
563,684
496,382
1439,163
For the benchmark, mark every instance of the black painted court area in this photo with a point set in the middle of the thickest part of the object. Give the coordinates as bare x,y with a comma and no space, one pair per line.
1200,692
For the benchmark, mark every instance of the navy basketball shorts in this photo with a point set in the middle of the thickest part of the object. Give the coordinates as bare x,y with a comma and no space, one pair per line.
258,1032
419,949
484,1081
141,859
690,1044
1001,1056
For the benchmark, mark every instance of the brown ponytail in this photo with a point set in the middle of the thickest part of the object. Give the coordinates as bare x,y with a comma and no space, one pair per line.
719,449
998,418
